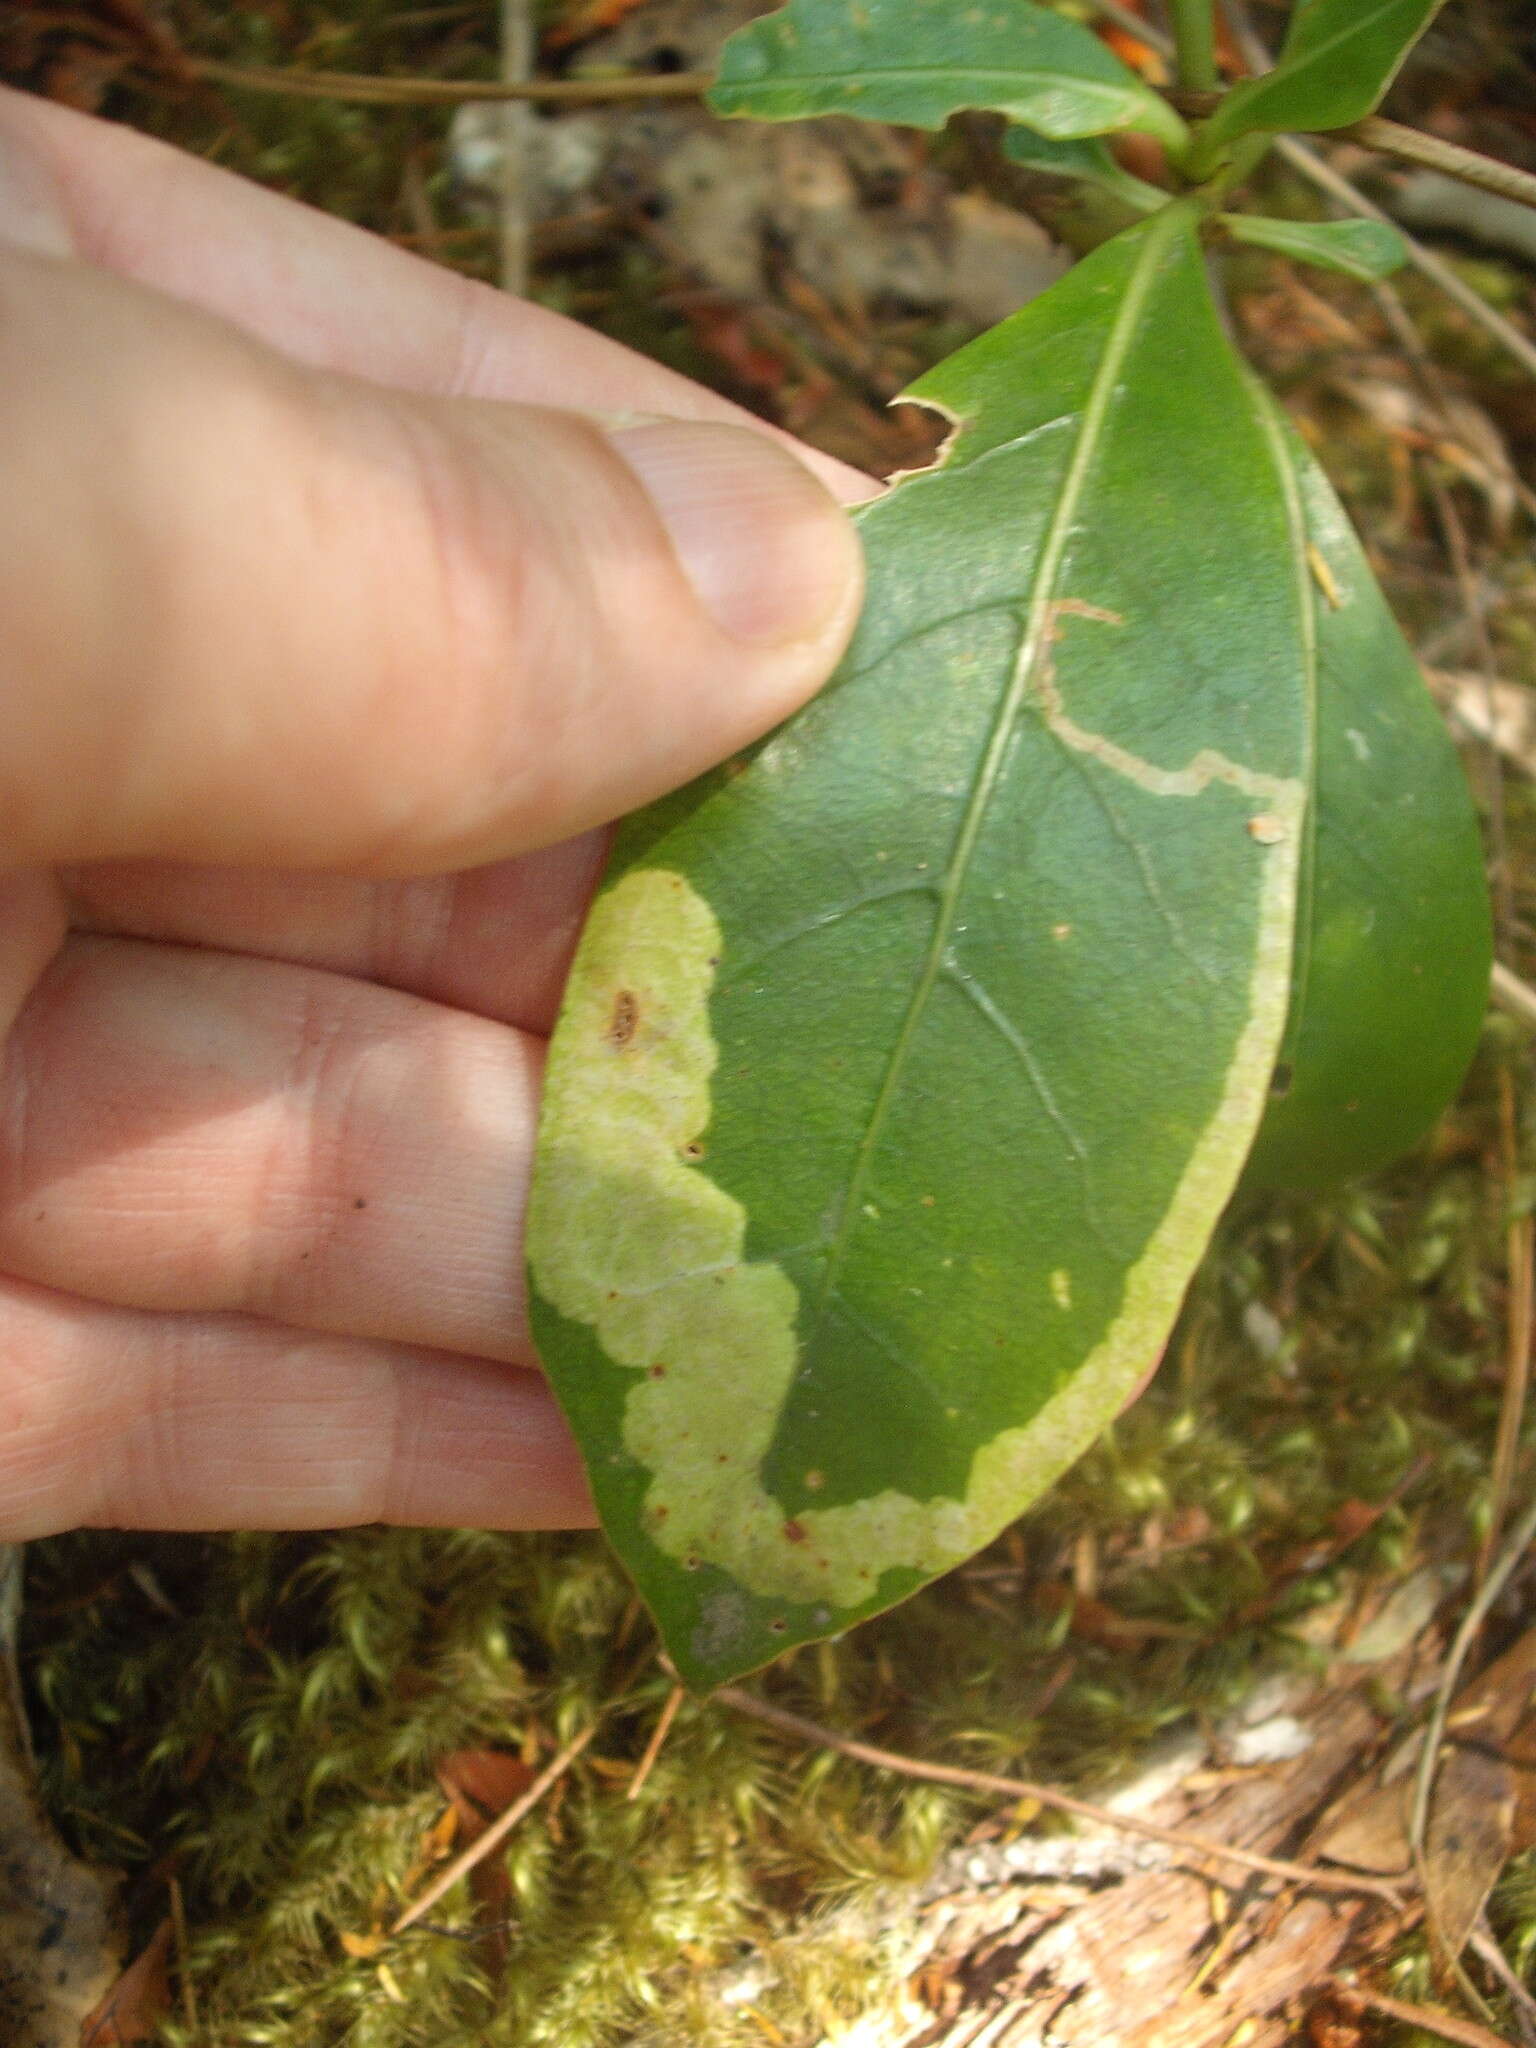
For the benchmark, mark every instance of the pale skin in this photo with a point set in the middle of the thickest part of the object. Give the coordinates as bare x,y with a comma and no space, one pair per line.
342,603
326,643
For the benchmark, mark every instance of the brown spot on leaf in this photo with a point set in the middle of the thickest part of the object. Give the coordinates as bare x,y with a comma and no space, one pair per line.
794,1532
625,1021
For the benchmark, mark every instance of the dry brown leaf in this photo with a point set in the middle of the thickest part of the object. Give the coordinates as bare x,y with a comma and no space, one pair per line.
363,1947
1468,1841
1368,1830
1484,1808
134,2007
482,1783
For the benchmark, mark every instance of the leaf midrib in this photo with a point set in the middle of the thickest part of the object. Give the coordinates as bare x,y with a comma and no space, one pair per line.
1159,233
1318,52
1127,88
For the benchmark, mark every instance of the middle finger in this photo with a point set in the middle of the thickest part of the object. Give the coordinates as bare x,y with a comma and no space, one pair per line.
195,1131
496,941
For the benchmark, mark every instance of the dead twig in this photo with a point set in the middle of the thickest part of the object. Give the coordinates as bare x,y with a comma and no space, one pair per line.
1486,1948
1520,1250
359,87
517,56
1514,995
1047,1796
496,1833
1465,2033
659,1735
183,1953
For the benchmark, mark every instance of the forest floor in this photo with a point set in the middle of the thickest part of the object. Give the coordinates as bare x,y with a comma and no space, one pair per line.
278,1739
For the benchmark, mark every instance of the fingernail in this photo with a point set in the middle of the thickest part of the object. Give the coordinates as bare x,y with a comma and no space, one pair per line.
769,551
31,216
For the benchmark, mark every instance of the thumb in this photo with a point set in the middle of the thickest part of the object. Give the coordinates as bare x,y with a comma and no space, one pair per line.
253,612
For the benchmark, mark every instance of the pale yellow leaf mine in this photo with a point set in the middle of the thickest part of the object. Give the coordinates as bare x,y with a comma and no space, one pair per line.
629,1236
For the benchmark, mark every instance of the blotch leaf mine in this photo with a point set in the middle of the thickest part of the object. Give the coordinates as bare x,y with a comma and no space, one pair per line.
905,1069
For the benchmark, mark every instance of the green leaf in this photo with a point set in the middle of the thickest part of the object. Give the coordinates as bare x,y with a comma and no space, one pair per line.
1394,938
1367,249
1339,59
1087,160
919,61
906,1065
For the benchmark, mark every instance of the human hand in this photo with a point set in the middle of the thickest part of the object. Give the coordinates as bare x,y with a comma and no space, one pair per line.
325,643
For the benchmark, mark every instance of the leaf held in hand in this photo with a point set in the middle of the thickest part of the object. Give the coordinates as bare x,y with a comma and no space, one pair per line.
1340,56
1394,938
919,61
1366,249
906,1066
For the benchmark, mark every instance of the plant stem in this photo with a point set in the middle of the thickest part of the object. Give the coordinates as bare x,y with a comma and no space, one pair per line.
1412,146
1194,42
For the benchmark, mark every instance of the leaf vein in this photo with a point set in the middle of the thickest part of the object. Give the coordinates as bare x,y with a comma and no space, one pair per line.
1035,645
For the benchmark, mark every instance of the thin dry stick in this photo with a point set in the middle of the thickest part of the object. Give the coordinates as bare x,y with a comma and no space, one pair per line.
1520,1246
1391,138
1465,2033
659,1735
183,1966
1513,994
1517,1381
1515,1548
1485,1946
517,54
359,87
1048,1796
496,1833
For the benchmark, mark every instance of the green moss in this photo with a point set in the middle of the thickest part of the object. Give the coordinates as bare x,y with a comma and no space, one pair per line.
275,1738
